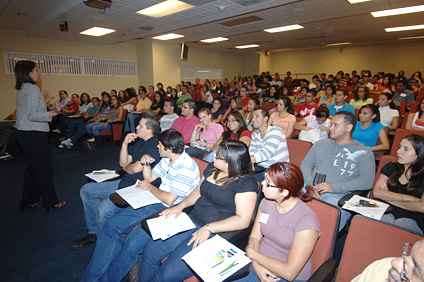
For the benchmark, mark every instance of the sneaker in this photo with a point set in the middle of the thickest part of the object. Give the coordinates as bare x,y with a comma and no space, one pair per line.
90,140
66,143
6,156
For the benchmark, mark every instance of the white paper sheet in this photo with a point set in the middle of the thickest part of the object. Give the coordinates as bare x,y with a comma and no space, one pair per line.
102,175
216,259
162,228
137,198
373,212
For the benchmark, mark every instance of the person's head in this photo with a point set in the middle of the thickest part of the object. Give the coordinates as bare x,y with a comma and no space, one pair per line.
188,108
75,98
159,85
235,122
322,114
330,90
151,89
365,78
385,99
265,79
122,95
401,84
421,107
205,88
411,152
253,103
410,266
236,103
170,141
303,91
304,82
362,93
284,180
141,91
273,90
310,96
169,107
63,94
205,116
114,101
342,125
184,89
285,105
174,93
168,89
354,72
387,81
105,98
243,91
260,117
26,71
148,126
318,83
178,88
158,98
287,91
417,76
323,76
232,157
374,79
85,98
369,113
217,103
341,96
402,73
95,101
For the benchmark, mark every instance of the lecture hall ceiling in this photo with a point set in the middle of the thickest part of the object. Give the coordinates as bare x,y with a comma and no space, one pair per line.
241,21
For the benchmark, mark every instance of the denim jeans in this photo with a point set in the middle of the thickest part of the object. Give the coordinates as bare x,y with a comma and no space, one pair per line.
404,222
110,240
174,268
95,128
80,132
130,125
194,152
209,157
333,198
96,213
72,125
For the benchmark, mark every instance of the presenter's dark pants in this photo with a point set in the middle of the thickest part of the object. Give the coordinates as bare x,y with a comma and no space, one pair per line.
38,177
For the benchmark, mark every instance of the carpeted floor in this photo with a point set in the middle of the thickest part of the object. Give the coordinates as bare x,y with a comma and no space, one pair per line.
34,243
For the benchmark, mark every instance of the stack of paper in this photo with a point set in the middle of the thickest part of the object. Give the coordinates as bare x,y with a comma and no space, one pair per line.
373,212
216,259
164,228
102,175
137,198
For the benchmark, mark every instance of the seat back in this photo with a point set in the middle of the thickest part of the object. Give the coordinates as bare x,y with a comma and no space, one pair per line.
297,150
405,120
383,161
400,134
117,128
295,133
369,240
329,220
414,107
268,106
202,166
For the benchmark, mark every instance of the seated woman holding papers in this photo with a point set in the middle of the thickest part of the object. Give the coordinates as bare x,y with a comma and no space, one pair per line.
224,201
285,230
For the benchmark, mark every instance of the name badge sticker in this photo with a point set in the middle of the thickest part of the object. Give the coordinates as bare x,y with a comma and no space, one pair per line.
264,218
403,95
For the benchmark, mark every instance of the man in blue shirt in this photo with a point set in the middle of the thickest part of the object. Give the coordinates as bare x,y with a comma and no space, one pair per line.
340,103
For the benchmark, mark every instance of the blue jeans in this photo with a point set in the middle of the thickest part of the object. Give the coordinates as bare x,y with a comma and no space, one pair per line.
80,132
130,125
72,125
252,277
209,157
174,268
110,240
333,198
404,222
95,128
194,151
96,213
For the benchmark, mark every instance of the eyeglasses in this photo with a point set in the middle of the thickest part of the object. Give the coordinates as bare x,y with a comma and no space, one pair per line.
232,120
404,253
268,183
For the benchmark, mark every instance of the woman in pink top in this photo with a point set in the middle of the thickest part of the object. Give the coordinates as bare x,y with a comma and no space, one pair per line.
285,230
284,117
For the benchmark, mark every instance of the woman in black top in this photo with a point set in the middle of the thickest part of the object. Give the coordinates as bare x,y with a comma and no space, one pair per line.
224,201
401,185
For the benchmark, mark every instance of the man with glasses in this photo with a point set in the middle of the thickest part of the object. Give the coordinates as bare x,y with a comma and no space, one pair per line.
268,142
409,268
186,123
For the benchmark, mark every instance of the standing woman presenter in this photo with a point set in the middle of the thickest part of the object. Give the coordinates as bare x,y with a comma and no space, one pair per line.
32,125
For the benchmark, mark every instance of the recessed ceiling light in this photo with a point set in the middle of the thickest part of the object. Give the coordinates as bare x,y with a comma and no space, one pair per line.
97,31
168,36
412,37
283,28
247,46
357,1
216,39
402,28
400,11
341,43
165,8
281,50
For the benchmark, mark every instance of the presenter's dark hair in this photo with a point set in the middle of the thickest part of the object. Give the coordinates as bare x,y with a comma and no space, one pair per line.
172,139
22,70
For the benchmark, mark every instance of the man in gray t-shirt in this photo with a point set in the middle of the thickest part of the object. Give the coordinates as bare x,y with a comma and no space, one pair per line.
402,94
339,165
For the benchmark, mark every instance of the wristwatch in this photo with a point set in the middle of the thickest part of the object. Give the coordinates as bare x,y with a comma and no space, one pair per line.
208,227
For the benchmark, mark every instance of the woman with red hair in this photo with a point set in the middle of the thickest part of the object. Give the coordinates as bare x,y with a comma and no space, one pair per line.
285,230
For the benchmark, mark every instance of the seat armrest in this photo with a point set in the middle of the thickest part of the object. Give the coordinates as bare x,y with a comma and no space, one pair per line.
325,272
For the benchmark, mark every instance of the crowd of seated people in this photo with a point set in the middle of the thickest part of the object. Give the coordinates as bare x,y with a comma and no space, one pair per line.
225,124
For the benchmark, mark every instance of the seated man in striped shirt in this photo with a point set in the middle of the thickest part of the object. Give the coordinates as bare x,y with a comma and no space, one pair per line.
268,144
179,175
